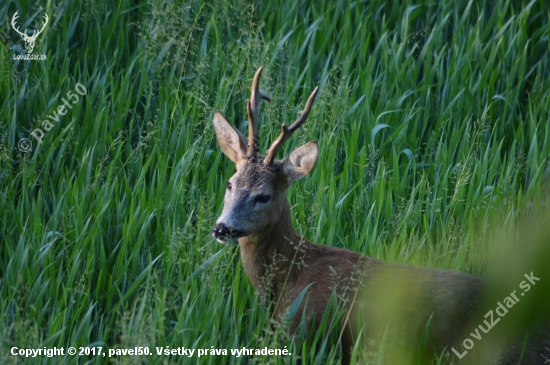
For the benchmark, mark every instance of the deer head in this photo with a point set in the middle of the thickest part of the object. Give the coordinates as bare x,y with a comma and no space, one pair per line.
255,194
29,40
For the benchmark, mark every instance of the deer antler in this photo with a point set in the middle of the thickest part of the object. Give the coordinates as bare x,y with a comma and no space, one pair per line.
252,108
15,16
24,35
287,132
43,27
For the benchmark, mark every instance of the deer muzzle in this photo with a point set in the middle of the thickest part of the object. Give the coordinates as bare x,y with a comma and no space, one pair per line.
223,233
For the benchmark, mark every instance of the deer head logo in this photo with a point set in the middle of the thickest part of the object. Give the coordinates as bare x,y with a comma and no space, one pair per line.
29,40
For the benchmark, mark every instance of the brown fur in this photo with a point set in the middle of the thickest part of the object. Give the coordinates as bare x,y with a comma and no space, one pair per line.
293,263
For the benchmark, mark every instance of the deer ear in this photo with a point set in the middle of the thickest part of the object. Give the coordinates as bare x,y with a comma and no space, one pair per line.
300,162
232,142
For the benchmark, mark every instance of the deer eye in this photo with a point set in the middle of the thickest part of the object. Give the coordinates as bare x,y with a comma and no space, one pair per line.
262,199
229,186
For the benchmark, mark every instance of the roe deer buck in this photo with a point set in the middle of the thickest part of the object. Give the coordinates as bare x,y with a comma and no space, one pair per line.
280,263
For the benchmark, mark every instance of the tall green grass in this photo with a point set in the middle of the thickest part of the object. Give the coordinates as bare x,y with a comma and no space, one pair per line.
432,122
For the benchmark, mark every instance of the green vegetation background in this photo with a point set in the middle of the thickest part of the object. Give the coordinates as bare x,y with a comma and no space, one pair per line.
432,122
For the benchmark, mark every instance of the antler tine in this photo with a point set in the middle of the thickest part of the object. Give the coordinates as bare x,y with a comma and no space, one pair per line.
286,132
43,27
13,19
252,109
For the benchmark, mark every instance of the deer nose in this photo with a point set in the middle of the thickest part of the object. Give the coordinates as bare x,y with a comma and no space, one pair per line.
220,230
224,233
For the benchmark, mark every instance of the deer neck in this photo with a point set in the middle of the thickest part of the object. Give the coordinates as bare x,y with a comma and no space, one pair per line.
269,256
